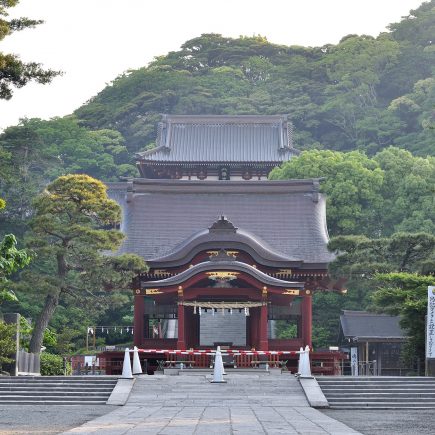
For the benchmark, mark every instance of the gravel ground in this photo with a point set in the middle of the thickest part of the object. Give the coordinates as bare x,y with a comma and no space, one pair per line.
387,421
46,419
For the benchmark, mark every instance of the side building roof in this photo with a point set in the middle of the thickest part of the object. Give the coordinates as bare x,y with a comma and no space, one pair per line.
215,139
288,217
361,325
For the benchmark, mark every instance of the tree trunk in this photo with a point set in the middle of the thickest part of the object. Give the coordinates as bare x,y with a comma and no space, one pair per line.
51,302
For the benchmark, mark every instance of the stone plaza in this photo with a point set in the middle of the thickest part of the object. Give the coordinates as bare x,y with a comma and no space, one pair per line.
246,404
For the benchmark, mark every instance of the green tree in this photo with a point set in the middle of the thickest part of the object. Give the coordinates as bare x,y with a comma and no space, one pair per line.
73,223
390,192
11,260
405,295
361,258
39,151
408,191
7,343
14,72
393,272
353,187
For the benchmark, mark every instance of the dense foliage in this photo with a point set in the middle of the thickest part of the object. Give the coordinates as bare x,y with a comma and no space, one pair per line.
405,294
364,93
390,192
390,275
73,224
14,72
11,260
7,342
54,365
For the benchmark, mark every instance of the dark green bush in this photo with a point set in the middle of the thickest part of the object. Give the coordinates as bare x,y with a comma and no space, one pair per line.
52,365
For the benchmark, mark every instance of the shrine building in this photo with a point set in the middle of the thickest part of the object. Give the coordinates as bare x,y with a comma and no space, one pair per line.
234,258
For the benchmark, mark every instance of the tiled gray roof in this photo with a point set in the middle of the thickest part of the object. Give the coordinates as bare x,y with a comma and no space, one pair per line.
222,139
361,324
289,216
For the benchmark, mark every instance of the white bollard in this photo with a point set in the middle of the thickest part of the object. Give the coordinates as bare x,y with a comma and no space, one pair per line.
137,369
218,371
126,367
301,352
305,370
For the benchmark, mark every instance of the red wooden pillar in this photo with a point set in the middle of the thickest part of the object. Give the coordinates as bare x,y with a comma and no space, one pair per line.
307,319
263,343
139,313
181,342
253,323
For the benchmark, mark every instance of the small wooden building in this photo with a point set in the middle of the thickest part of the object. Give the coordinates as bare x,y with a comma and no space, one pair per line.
377,341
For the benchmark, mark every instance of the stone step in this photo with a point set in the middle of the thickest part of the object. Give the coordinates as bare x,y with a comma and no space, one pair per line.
57,388
383,394
37,398
381,399
54,393
363,405
375,389
380,378
428,382
51,402
379,392
98,384
65,385
386,384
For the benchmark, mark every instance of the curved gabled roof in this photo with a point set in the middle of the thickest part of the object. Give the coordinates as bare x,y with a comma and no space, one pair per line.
226,265
286,218
224,235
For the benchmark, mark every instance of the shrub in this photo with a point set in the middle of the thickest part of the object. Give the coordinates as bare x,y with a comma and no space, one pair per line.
53,365
7,342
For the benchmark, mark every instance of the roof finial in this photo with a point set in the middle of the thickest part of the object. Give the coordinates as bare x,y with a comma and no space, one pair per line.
223,225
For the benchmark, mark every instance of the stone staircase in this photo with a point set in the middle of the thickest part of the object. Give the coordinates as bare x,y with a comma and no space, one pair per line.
346,392
56,390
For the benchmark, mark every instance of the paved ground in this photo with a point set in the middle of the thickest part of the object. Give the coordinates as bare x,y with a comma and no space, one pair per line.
46,420
387,422
247,404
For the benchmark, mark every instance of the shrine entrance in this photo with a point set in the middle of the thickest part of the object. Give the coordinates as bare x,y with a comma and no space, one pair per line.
223,287
226,303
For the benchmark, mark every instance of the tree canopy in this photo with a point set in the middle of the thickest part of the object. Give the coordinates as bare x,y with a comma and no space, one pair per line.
391,192
390,275
364,93
74,222
13,72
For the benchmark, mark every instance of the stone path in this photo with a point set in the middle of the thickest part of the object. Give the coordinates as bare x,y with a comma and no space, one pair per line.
246,404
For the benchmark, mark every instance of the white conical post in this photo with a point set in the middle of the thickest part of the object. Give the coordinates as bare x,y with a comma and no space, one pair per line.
126,367
137,369
305,364
301,352
218,371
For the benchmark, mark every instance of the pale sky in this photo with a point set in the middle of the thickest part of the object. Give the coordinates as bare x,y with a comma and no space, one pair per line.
93,41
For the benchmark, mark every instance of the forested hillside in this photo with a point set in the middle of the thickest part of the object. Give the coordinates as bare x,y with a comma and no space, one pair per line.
364,93
353,105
